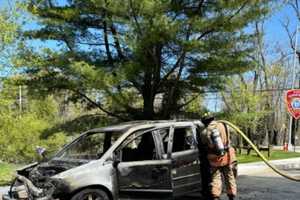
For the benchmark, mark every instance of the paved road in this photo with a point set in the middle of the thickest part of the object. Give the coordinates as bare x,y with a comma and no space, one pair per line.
3,190
267,185
264,185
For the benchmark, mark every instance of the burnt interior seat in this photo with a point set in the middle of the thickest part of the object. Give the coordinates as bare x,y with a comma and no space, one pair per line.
146,147
129,154
179,139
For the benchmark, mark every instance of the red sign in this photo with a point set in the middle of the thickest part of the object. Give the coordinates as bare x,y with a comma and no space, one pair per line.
292,99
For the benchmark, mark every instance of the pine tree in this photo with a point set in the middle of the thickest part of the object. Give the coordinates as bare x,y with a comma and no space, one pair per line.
9,29
120,55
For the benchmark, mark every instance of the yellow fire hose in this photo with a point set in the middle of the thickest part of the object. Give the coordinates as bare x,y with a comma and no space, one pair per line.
274,168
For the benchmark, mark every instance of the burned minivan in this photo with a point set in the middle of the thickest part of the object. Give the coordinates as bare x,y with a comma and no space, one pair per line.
131,160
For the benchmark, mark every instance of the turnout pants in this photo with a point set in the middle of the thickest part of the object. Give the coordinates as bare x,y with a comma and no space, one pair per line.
229,179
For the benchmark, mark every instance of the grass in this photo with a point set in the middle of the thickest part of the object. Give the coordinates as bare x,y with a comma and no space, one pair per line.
275,155
7,172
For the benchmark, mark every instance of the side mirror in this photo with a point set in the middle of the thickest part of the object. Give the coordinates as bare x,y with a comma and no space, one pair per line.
41,151
190,140
116,159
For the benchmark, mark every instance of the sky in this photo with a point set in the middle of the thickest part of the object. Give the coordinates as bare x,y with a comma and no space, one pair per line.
274,32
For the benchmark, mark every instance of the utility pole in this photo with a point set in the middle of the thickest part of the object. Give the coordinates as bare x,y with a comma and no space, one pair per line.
20,99
294,72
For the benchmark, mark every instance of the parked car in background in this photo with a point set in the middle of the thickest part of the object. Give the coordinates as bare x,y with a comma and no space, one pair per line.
130,160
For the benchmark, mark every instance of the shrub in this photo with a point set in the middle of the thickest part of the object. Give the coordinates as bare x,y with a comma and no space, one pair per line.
21,134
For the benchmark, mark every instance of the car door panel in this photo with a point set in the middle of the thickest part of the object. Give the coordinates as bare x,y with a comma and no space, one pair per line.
186,175
145,177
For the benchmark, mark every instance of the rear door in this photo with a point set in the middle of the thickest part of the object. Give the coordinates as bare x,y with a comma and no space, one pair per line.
142,171
183,150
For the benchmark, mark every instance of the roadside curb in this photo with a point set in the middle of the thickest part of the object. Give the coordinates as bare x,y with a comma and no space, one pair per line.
285,164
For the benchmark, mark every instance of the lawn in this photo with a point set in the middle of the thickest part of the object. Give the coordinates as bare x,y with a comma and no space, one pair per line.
275,155
7,172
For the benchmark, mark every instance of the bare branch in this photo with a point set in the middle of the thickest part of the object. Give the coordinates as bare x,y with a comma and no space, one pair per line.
116,40
222,24
187,102
227,104
105,35
295,6
175,66
99,105
94,44
290,35
134,15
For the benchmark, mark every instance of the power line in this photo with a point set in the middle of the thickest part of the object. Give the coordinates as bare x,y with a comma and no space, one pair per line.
259,90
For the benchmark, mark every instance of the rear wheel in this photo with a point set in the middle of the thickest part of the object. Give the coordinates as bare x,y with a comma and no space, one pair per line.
91,194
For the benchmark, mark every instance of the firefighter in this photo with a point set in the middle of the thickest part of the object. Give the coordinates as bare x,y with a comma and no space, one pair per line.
221,157
205,169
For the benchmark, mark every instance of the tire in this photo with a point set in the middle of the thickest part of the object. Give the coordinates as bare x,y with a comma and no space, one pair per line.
91,194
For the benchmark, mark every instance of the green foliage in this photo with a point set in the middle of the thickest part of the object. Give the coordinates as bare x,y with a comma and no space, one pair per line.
20,136
54,142
195,105
7,172
243,106
46,109
8,29
119,54
20,133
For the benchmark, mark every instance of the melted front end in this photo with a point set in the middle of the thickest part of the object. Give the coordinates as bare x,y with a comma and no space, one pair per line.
36,182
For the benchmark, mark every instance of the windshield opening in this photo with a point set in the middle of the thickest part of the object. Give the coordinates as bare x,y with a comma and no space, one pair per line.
90,146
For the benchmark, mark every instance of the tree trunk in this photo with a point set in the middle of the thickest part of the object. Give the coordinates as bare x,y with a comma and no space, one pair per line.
148,95
148,110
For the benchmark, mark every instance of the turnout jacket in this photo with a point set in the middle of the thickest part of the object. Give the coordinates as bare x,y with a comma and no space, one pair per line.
206,137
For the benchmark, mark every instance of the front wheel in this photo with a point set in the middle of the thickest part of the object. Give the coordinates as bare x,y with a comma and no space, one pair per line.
91,194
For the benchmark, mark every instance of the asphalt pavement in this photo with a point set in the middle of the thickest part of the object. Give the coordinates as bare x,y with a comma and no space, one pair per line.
3,190
263,185
267,185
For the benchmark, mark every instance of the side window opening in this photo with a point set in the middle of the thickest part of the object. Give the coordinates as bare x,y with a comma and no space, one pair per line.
90,146
183,139
164,134
138,148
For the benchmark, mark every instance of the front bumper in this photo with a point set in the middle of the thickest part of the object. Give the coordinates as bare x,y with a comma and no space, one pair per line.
17,193
6,197
28,190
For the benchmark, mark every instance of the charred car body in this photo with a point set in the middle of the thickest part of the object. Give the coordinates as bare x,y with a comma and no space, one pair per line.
129,160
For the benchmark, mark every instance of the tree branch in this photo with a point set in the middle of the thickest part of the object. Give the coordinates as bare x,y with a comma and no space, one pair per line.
187,102
222,24
295,6
106,42
98,105
93,44
175,66
290,35
116,40
226,102
135,18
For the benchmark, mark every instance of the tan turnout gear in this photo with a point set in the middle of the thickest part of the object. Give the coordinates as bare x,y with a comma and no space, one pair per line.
221,165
